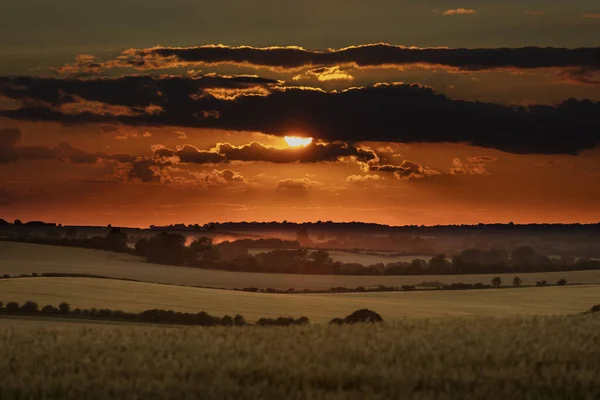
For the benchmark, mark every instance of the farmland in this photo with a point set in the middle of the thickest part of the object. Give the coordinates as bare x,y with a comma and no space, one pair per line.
361,257
22,258
139,296
500,358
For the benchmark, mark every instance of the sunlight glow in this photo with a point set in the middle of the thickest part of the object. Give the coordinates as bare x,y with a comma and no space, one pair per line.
295,141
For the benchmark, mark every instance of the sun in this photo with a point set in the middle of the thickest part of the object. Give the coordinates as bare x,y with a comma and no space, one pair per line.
295,141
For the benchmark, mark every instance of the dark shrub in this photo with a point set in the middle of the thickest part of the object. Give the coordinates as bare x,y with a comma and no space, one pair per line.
303,321
118,314
595,308
337,321
408,288
363,315
497,281
64,307
30,307
104,313
77,311
49,310
227,321
12,307
203,318
239,320
561,282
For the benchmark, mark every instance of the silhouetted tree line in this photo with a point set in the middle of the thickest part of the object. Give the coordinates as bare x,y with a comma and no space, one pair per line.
156,316
170,248
114,240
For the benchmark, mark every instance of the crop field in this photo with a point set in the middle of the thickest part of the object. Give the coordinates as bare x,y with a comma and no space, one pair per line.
140,296
361,257
23,258
486,358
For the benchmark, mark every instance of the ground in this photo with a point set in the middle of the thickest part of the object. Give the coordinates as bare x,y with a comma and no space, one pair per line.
488,358
23,258
139,296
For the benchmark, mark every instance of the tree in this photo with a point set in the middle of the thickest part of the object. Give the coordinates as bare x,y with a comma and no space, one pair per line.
202,249
30,307
17,222
561,282
116,240
303,238
517,281
497,281
12,307
64,308
321,257
166,248
523,256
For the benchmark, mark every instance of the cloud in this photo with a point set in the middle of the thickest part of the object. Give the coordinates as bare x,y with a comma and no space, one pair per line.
406,170
258,152
328,63
12,151
481,159
461,168
324,74
295,185
180,135
459,11
393,112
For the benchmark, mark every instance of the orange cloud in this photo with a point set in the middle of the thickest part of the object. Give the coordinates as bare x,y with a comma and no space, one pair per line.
459,11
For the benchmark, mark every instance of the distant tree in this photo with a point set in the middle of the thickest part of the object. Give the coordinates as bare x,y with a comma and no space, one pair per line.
303,238
239,320
12,307
49,309
561,282
116,240
71,233
141,247
226,320
363,315
321,257
595,308
202,249
30,307
64,308
523,256
439,263
17,222
166,248
497,281
517,281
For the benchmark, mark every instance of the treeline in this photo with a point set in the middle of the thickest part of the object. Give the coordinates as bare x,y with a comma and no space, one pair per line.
170,248
114,240
155,316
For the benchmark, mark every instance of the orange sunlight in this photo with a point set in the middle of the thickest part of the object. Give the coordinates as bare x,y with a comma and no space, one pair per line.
295,141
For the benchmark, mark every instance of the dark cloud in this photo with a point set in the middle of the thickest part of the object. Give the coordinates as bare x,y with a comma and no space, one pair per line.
11,151
382,112
189,154
363,56
9,138
406,170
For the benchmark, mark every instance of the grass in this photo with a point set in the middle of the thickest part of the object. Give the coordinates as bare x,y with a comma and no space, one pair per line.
24,258
139,296
508,358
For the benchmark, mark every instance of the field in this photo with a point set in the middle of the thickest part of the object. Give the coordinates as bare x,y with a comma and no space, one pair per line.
22,258
139,296
361,257
504,358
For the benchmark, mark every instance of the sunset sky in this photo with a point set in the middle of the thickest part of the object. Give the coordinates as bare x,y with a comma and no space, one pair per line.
420,112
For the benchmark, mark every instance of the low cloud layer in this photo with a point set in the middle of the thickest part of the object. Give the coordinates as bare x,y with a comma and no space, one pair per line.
371,55
382,112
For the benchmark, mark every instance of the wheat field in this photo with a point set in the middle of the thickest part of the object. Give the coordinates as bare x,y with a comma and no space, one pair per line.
24,258
140,296
484,358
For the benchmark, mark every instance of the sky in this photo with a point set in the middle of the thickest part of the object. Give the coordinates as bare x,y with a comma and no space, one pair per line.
420,112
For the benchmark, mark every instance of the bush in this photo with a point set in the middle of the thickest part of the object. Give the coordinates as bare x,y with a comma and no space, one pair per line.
409,288
239,320
337,321
595,308
64,307
497,281
517,281
12,307
363,315
227,321
49,310
30,307
561,282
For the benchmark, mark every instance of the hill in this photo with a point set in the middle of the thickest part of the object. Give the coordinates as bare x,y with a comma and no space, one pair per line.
23,258
139,296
